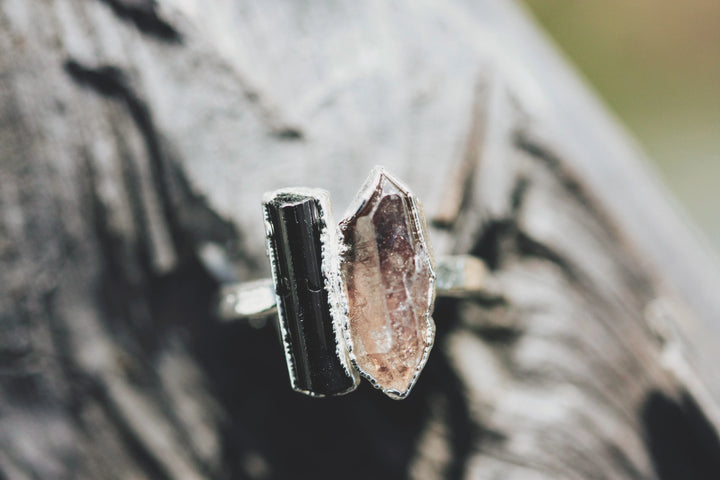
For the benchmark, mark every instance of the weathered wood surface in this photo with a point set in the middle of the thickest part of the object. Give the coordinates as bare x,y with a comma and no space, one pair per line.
136,138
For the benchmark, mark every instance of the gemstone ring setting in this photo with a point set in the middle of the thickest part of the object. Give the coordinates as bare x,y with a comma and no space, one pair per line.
352,300
389,275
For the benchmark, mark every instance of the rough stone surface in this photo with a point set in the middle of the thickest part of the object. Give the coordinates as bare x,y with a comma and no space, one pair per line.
388,272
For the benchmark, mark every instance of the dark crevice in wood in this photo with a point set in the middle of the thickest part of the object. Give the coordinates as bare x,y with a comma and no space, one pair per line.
143,14
569,181
682,442
502,238
446,318
517,196
202,223
130,179
494,323
571,184
120,292
489,301
528,247
278,126
489,247
112,82
635,276
182,303
464,434
498,335
576,190
189,218
106,80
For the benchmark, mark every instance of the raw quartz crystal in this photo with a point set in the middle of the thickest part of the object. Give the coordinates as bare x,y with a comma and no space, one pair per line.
388,272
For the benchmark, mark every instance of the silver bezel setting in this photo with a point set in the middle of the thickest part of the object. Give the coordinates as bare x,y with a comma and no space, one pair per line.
366,191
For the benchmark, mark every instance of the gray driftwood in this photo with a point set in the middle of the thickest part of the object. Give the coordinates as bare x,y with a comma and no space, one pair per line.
136,138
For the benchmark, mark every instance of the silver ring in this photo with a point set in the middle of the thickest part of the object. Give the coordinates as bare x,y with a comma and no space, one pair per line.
353,300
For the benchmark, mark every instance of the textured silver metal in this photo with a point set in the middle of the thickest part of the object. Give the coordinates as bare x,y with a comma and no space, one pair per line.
251,300
461,276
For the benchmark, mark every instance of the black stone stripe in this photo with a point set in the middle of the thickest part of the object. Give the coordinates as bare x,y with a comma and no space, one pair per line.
296,225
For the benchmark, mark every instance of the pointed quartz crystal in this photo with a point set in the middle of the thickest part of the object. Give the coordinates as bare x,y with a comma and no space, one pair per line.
388,272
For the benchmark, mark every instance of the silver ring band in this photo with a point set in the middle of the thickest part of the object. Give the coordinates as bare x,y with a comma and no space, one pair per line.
458,276
352,299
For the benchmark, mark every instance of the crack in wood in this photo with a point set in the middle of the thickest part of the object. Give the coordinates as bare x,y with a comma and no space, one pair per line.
190,221
143,15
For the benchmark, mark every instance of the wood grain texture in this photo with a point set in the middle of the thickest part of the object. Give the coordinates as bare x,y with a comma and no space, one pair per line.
136,139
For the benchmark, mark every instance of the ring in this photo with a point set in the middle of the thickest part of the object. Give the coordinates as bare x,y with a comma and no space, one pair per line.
353,300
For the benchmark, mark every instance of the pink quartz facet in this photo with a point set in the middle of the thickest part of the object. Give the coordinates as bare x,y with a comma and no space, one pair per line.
388,272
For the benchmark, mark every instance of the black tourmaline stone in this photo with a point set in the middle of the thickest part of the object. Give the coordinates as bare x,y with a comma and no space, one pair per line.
295,223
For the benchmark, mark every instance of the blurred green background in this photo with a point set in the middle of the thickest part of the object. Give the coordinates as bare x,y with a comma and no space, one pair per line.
656,63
